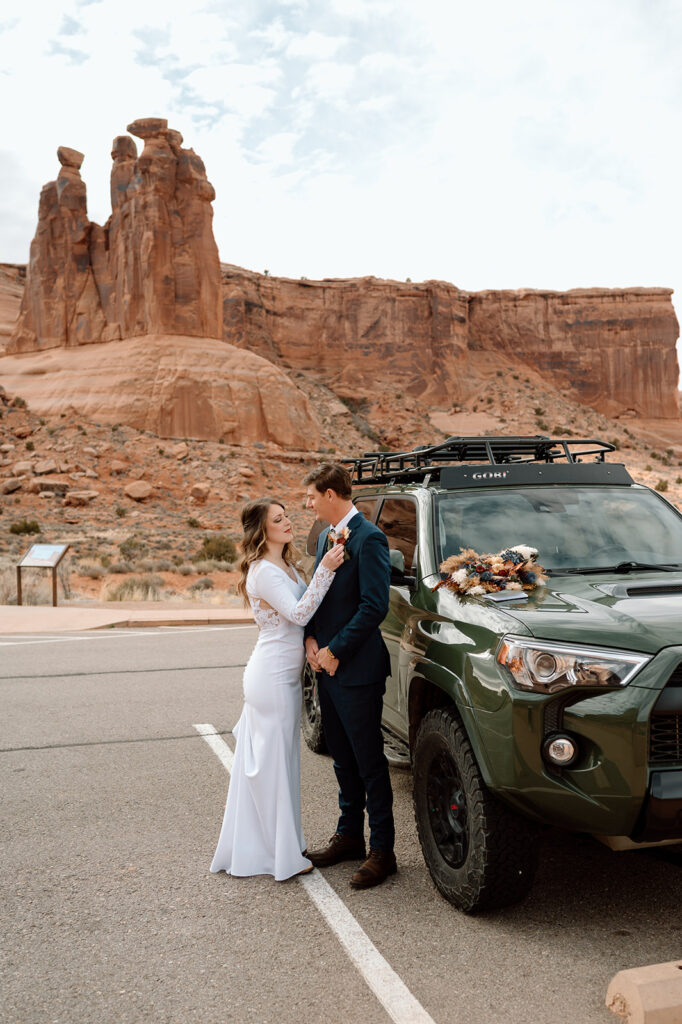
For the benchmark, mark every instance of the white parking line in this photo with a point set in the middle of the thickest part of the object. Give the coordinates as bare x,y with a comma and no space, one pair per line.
390,990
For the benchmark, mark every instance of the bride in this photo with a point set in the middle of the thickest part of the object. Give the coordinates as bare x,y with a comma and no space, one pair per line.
261,832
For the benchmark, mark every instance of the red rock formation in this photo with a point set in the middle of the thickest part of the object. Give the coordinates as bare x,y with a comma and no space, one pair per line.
609,348
171,385
350,331
153,268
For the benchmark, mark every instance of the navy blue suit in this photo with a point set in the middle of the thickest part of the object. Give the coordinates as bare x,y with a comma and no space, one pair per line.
351,701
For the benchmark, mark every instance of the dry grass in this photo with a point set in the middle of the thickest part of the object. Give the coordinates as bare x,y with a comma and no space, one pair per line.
136,588
36,587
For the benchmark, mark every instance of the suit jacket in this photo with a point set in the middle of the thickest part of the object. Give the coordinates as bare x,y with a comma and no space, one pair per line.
355,605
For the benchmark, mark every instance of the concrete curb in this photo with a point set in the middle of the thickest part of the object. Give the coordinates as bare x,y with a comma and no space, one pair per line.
71,619
648,995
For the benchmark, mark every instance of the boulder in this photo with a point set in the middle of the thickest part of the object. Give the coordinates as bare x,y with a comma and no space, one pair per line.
200,492
22,468
80,497
117,467
45,466
138,490
11,485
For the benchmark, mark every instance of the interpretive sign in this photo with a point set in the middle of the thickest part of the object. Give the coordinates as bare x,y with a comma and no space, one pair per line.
42,556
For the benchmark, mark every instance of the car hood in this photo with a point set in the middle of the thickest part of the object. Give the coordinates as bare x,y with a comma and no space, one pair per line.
640,611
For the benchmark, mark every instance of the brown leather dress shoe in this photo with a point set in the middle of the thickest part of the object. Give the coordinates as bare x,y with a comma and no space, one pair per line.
339,848
378,866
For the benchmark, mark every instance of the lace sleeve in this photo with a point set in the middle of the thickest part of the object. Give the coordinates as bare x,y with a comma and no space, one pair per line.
270,585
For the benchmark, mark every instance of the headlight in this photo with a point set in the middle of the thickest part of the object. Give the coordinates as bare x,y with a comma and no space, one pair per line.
548,668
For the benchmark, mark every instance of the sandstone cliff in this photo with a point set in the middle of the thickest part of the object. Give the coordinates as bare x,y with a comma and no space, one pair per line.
609,348
171,385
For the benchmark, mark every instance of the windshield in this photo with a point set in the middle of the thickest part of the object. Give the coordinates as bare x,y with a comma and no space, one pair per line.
572,527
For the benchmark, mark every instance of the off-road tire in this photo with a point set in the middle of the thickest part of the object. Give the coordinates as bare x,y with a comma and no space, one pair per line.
311,716
480,854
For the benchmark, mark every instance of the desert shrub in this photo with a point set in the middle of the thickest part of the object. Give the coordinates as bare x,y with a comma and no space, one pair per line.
218,547
163,565
30,447
186,569
539,410
662,485
120,567
146,565
120,511
105,561
92,570
203,584
193,522
213,565
137,588
131,548
678,480
36,587
19,403
647,469
24,526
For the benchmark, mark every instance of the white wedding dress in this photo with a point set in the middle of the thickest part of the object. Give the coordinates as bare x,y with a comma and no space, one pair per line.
261,832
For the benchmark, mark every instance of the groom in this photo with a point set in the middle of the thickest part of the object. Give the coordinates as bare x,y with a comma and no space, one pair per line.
343,643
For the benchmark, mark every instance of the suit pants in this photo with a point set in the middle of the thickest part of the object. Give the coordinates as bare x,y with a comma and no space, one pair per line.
351,719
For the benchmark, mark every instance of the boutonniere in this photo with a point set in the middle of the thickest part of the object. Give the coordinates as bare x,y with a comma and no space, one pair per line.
339,538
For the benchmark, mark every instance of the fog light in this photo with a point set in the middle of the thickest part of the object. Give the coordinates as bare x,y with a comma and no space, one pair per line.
560,750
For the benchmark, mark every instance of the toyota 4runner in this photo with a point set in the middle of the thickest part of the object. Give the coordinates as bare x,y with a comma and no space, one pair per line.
515,710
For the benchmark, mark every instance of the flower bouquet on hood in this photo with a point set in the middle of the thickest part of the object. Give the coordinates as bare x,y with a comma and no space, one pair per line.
512,569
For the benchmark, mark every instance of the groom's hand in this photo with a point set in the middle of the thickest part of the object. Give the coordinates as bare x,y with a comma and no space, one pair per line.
328,663
311,652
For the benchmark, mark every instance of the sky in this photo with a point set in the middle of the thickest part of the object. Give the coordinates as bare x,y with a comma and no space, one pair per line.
534,144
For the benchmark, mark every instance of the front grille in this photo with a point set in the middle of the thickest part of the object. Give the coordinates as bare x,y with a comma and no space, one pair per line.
665,726
665,738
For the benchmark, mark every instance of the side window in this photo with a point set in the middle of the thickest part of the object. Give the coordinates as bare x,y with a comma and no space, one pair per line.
368,507
398,520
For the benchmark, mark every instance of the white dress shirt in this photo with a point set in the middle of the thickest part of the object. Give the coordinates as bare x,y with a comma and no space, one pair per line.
336,530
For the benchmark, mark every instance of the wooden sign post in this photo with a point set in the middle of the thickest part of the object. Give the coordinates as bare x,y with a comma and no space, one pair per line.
42,556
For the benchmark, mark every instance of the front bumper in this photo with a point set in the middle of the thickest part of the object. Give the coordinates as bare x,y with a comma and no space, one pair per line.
662,813
614,788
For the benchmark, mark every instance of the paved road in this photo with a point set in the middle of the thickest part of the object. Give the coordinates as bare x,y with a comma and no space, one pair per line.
111,808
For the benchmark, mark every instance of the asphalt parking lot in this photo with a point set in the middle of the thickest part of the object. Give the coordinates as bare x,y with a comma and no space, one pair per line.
112,803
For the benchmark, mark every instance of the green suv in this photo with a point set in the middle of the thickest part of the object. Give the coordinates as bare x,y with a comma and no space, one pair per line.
515,710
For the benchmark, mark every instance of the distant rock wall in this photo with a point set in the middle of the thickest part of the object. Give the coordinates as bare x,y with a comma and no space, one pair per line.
351,330
152,269
609,348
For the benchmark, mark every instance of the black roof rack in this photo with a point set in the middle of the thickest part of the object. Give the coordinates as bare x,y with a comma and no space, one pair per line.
427,460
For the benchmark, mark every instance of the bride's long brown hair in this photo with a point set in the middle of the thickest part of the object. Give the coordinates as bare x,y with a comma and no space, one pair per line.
254,516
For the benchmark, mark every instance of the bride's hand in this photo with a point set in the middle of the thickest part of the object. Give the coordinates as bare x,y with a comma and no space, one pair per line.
334,557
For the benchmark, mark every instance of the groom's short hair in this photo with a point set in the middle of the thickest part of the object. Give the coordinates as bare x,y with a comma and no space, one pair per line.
331,476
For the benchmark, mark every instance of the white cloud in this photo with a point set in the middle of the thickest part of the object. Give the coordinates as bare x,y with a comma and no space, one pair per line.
315,45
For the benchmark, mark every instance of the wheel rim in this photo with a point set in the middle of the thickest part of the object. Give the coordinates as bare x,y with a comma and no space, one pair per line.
311,701
447,810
